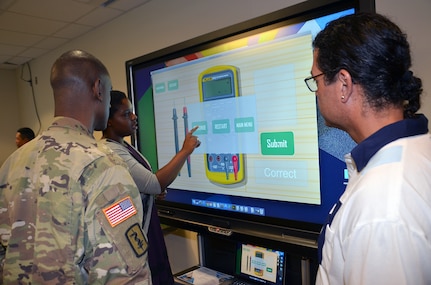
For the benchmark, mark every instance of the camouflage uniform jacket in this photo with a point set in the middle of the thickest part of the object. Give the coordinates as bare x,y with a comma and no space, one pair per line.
70,213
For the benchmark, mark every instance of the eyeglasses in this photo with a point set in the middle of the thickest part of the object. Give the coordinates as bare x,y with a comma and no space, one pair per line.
311,82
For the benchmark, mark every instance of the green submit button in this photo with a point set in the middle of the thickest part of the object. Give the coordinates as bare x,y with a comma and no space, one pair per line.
280,143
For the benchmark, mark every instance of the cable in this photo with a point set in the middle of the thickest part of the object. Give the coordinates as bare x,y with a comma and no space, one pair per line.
30,81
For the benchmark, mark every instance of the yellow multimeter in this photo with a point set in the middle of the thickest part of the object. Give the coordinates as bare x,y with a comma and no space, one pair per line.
215,83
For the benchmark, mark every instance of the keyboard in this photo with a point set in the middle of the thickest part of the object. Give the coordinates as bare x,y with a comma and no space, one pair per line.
236,282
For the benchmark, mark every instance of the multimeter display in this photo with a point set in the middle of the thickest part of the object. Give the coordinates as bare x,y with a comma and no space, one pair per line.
215,83
218,85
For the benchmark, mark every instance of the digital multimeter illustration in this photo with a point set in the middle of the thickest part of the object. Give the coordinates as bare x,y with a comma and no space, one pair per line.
259,264
215,83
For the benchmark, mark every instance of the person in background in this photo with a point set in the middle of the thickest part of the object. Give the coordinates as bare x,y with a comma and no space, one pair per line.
379,232
122,122
70,211
23,136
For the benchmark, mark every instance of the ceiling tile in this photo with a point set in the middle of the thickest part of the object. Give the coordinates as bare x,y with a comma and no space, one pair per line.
52,9
99,16
10,49
28,24
30,28
51,43
72,31
4,58
33,52
4,4
18,38
91,2
126,5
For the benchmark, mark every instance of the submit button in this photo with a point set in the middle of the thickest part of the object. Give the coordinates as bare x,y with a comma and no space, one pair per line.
278,143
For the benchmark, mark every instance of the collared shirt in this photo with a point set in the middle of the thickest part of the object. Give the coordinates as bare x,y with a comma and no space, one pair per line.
364,151
380,234
70,212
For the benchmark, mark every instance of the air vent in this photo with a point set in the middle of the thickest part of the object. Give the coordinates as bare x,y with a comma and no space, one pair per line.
107,3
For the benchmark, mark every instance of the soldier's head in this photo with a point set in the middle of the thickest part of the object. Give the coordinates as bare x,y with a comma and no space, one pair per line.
23,136
81,86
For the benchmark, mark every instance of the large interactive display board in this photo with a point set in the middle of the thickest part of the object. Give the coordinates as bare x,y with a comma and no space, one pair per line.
266,155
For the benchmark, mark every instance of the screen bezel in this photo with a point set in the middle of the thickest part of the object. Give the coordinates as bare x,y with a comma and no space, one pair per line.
198,218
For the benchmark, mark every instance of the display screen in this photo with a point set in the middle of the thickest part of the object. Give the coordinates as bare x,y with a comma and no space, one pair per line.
265,151
271,122
260,264
216,86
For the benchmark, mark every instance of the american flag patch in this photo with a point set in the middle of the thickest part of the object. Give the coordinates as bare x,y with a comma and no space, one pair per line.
120,211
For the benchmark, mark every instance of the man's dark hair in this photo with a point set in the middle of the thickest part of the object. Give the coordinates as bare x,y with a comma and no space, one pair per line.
376,53
26,133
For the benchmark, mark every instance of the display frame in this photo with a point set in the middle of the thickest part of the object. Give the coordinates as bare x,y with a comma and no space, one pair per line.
195,218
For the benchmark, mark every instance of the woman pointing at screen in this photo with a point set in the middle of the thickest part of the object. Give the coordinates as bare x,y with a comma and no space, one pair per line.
122,122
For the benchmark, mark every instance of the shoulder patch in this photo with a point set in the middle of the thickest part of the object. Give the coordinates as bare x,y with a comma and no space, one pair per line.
137,240
120,211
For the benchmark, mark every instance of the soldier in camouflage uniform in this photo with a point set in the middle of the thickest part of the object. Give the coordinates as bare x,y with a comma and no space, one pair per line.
70,212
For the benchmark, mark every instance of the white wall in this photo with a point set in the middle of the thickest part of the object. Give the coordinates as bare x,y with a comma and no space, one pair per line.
9,113
415,20
162,23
